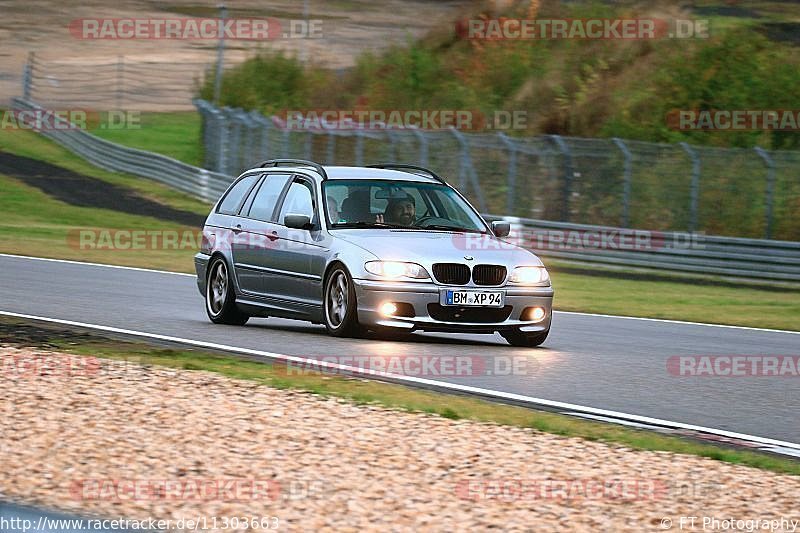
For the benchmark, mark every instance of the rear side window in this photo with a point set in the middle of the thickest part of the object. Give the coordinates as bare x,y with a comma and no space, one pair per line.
235,195
267,196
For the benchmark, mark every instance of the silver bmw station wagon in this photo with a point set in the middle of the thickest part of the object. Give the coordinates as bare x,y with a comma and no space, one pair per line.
385,248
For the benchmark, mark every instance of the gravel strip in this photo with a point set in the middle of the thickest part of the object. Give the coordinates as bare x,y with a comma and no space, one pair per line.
80,438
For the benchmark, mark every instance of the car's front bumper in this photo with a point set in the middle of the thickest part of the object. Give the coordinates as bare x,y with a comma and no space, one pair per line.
372,294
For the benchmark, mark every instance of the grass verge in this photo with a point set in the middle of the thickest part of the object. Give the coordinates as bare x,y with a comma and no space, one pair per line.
392,396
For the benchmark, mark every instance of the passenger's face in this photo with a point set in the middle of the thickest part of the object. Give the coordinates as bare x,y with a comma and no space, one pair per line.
333,210
403,213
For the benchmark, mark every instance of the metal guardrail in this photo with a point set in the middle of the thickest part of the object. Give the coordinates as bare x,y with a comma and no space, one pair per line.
757,259
198,182
694,253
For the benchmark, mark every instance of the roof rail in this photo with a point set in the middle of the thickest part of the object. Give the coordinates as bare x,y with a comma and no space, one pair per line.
295,163
409,168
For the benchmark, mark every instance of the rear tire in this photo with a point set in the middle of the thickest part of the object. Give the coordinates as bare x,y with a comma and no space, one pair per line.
340,306
525,340
221,297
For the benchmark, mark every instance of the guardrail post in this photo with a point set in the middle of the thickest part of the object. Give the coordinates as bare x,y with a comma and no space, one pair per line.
569,172
695,186
511,177
770,192
203,180
467,170
626,188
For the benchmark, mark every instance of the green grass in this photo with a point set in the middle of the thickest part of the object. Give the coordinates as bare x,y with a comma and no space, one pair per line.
28,144
176,135
34,224
408,399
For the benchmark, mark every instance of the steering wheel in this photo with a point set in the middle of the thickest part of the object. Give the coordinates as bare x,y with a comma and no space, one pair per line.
427,218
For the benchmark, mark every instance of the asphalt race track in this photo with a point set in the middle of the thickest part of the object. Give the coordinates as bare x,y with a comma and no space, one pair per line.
605,362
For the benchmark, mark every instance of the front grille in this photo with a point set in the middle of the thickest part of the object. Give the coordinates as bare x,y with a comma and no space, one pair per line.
488,274
451,273
482,315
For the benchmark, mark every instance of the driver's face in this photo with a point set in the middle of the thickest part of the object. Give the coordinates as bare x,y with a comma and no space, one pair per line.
403,213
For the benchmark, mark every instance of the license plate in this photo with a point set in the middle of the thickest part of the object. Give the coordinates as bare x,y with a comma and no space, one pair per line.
474,298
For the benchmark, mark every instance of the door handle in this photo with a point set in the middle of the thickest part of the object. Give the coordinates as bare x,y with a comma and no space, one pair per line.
237,228
273,235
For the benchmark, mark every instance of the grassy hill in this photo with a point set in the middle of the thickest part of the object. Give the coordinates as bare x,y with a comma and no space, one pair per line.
591,88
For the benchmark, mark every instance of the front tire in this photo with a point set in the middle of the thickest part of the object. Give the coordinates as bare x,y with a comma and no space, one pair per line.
340,304
525,340
221,297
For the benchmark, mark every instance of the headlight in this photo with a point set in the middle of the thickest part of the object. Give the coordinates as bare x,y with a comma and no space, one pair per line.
529,275
396,270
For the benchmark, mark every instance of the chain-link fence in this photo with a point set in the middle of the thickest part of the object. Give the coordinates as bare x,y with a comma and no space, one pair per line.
123,83
615,182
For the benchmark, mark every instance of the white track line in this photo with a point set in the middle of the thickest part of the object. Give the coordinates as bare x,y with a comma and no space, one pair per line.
412,380
665,320
86,263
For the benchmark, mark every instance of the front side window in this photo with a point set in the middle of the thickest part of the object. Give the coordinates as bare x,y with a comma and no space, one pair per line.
235,195
401,204
299,201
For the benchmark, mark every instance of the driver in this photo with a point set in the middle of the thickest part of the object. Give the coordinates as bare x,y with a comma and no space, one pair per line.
401,211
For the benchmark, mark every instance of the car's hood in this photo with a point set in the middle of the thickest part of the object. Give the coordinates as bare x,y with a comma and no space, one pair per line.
427,247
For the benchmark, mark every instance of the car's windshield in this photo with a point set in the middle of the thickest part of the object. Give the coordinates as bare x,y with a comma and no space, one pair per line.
397,204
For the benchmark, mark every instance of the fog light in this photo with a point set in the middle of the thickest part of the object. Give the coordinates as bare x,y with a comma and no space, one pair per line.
534,314
388,309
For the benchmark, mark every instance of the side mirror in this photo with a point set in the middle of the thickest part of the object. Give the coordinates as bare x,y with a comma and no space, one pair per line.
295,221
501,228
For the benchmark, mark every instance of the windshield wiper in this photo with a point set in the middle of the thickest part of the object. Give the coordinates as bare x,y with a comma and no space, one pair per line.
362,224
445,227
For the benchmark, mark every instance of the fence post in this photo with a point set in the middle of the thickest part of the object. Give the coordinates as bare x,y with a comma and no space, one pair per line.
423,146
626,189
330,156
566,190
770,192
259,143
695,187
359,147
27,77
467,170
392,150
120,73
220,53
511,177
308,145
285,147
